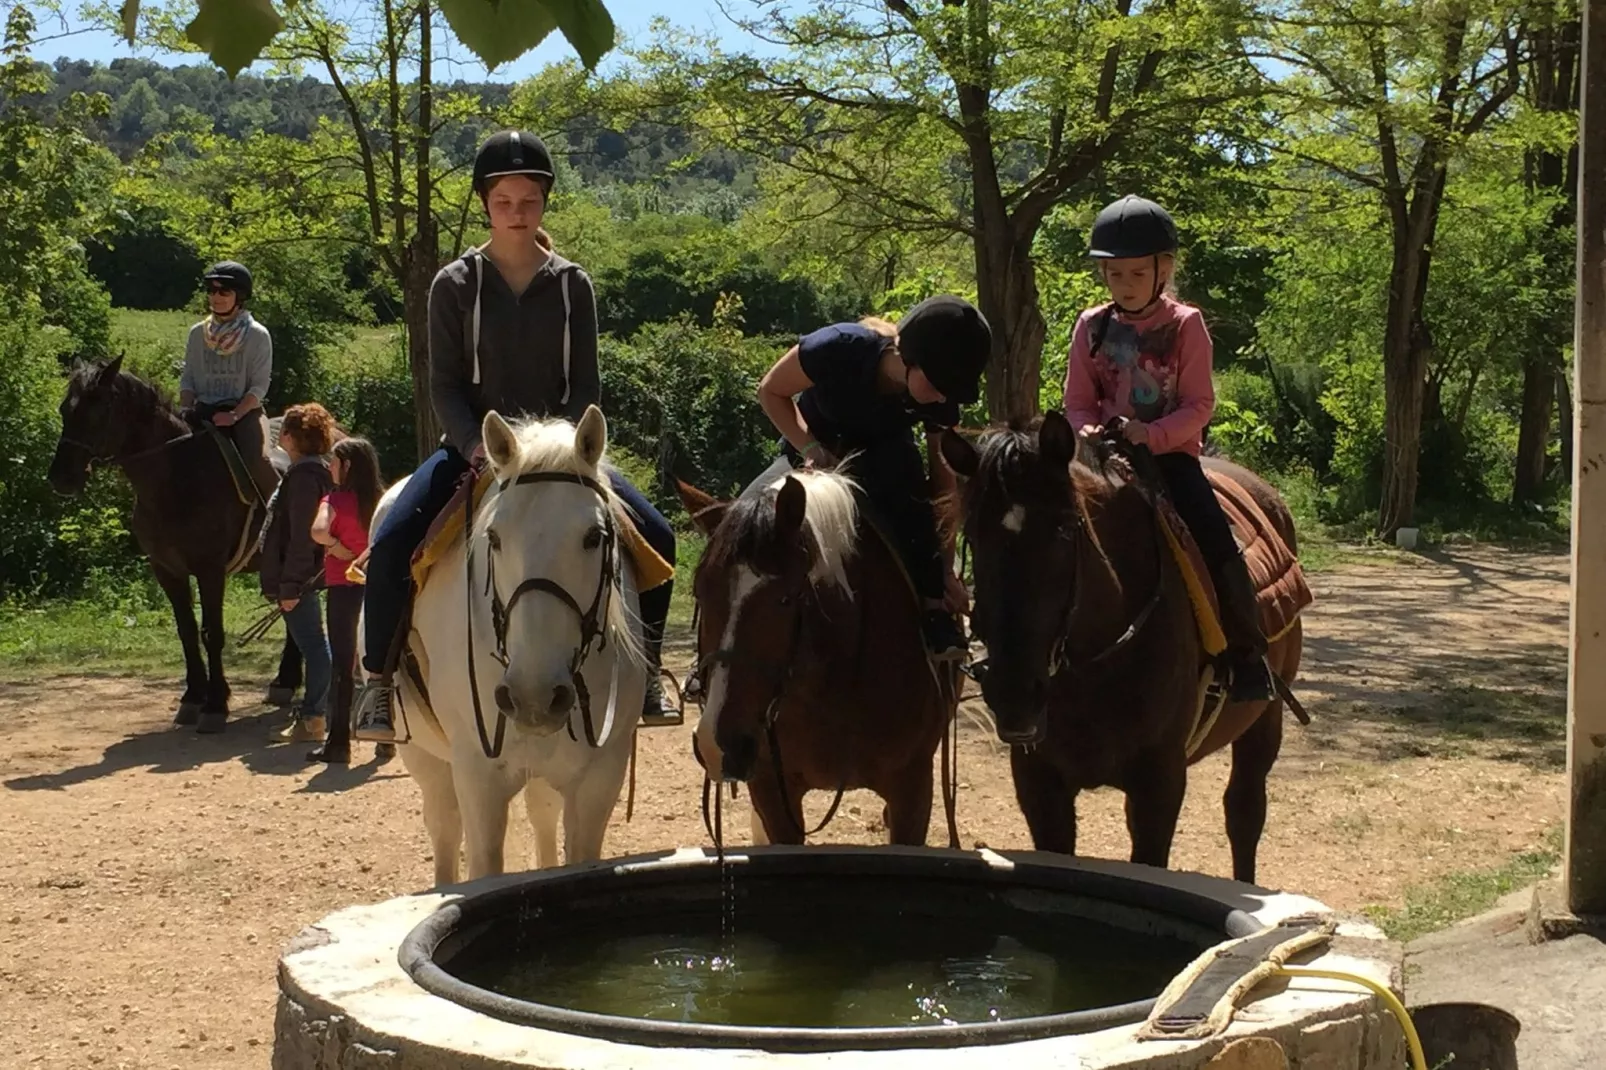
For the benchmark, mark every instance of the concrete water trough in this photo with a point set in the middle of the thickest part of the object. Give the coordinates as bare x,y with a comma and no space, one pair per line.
536,969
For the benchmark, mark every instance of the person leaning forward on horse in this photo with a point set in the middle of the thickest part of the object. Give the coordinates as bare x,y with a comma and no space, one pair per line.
1147,357
228,362
512,327
859,389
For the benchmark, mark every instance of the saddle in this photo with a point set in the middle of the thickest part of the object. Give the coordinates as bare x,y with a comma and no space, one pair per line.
1282,592
244,486
446,531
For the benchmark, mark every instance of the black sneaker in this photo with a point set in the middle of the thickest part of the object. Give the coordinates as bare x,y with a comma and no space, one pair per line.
373,713
1251,681
944,641
657,711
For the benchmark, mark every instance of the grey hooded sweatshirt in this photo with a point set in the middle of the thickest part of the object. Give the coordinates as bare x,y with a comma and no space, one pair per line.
521,367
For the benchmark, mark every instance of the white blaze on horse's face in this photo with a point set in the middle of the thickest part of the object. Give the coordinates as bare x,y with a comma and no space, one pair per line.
1015,519
744,581
554,531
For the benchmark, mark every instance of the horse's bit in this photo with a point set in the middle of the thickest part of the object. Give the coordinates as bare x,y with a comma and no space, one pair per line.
593,619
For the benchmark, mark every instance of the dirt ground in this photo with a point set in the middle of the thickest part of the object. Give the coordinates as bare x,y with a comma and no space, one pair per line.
151,875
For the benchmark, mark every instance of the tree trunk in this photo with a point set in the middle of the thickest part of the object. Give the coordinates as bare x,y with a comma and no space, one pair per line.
424,256
1554,86
1564,397
1533,435
1006,283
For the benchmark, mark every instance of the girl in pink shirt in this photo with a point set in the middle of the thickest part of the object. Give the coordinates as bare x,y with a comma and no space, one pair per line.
1146,356
341,526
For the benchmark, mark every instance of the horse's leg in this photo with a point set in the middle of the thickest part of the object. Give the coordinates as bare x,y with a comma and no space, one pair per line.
1045,799
1155,785
589,804
1253,755
483,797
442,819
908,811
177,589
542,805
771,810
210,583
755,826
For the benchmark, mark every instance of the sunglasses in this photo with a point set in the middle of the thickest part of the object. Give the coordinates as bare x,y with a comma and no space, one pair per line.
219,290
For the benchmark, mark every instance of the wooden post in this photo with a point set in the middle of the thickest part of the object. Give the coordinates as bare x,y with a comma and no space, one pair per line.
1586,692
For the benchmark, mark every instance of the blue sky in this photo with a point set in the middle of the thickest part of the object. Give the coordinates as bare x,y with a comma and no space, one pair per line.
630,16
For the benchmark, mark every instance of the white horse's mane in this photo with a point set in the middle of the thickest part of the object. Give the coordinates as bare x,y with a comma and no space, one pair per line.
547,445
832,517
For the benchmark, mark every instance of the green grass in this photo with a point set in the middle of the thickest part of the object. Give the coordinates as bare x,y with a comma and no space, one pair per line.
131,631
1431,907
152,341
128,633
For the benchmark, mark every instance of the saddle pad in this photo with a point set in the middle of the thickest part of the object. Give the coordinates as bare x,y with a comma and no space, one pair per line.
447,530
1283,592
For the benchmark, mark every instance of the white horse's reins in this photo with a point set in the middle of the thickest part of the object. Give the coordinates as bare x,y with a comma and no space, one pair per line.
593,620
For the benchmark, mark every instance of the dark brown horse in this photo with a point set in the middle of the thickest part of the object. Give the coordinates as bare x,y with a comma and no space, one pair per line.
814,674
188,518
1094,657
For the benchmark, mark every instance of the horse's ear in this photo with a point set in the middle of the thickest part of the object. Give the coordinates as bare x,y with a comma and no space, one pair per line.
791,505
591,436
1056,439
109,371
960,454
706,511
501,444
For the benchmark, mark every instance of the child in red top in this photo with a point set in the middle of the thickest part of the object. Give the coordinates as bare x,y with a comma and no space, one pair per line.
342,527
1147,356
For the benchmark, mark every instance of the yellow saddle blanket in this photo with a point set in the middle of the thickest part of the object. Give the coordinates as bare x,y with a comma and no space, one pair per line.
447,531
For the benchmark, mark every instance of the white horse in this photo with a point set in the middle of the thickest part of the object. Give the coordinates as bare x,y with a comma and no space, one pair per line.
530,652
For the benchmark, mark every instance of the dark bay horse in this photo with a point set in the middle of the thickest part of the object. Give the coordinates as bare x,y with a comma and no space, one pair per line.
1094,657
814,674
188,518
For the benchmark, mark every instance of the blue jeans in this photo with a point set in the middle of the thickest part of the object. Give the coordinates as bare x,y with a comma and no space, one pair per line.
393,541
305,625
402,529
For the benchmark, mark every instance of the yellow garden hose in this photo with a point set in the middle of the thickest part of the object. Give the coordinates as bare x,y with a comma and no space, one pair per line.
1419,1061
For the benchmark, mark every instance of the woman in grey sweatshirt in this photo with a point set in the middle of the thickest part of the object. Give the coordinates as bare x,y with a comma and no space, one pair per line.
512,327
228,363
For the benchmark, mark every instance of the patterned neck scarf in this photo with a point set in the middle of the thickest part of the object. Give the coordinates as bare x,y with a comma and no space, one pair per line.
223,337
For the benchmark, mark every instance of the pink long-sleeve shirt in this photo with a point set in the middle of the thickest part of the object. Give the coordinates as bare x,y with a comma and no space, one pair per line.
1155,368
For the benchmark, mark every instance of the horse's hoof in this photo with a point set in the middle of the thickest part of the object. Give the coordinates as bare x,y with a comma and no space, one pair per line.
188,713
211,724
384,752
280,696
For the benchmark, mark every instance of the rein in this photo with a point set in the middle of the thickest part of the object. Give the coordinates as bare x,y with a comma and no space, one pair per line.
593,619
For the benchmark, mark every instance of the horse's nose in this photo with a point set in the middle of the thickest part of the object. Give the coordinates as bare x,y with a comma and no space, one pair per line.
504,698
736,758
562,698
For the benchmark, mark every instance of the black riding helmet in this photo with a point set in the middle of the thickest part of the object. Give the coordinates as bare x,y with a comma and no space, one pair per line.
949,339
512,152
1134,227
233,275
